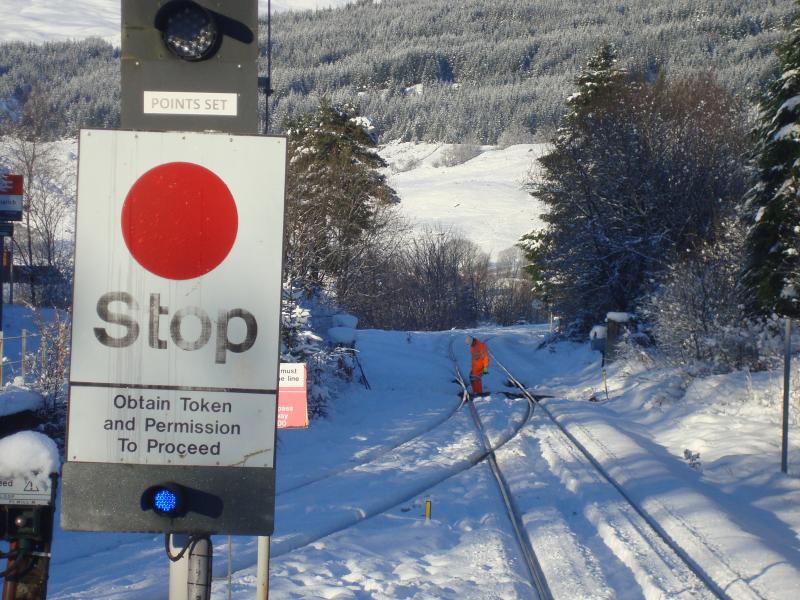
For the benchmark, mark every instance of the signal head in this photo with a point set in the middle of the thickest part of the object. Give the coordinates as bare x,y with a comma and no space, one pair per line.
189,31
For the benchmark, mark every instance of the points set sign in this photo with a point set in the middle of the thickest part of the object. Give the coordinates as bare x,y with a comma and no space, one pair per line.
175,330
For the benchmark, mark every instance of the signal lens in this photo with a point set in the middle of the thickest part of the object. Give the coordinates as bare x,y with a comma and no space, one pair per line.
189,31
166,499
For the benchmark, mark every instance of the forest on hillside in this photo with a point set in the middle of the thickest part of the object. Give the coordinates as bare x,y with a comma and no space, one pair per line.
482,71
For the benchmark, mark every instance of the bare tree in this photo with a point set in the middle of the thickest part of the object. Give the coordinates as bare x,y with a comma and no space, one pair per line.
511,297
48,200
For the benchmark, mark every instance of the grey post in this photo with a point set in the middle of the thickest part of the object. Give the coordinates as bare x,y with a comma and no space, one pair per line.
23,353
787,372
200,561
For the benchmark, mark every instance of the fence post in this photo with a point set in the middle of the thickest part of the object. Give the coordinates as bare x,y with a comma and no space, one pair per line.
23,352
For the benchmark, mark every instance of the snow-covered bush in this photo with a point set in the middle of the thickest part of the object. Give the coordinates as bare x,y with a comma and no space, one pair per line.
457,154
299,344
696,312
51,372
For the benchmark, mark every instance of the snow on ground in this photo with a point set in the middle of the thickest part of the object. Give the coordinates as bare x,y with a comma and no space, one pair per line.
16,399
352,488
54,20
483,198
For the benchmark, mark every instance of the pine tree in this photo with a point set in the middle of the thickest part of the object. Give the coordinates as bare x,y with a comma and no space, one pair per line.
772,270
335,195
596,84
567,257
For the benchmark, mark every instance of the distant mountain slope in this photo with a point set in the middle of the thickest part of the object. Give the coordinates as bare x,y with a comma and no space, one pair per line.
474,71
489,68
482,199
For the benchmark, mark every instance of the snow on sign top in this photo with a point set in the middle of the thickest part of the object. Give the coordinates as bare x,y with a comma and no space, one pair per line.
28,453
618,317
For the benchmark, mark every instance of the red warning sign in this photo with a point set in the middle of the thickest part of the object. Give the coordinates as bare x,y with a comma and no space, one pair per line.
293,396
11,196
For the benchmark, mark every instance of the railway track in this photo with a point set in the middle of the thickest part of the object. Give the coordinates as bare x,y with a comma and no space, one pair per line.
655,529
495,453
375,455
373,507
534,568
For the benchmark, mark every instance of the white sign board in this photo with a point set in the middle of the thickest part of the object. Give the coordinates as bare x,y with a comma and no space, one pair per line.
190,103
23,491
177,299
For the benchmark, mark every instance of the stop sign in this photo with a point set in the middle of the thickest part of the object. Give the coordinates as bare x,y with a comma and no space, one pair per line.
175,332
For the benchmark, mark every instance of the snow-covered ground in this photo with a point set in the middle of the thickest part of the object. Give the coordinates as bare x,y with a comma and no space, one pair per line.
54,20
484,198
352,488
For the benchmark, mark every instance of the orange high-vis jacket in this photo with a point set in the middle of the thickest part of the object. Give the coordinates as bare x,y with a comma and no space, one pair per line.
480,357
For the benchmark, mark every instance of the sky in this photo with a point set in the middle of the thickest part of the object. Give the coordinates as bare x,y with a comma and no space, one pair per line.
52,20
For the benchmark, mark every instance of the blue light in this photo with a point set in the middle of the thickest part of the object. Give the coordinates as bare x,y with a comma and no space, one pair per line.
165,501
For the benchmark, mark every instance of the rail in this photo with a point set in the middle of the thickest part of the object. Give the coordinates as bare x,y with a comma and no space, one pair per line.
659,531
534,567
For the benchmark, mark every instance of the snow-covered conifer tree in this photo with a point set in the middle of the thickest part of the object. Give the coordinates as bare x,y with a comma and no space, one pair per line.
772,271
596,84
335,194
641,170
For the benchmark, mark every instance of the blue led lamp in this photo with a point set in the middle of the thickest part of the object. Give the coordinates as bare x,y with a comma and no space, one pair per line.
165,499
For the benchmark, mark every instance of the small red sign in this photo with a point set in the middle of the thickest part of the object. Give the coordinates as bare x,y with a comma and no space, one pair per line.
293,396
11,185
11,197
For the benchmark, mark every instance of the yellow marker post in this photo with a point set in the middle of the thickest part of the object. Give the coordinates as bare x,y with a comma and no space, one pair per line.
427,510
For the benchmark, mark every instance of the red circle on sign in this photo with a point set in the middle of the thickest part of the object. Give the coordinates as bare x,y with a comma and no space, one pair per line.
179,220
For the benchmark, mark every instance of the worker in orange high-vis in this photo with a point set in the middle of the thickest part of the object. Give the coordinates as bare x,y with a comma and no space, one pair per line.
480,363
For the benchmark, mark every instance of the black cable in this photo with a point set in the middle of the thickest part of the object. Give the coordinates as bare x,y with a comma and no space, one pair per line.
190,542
